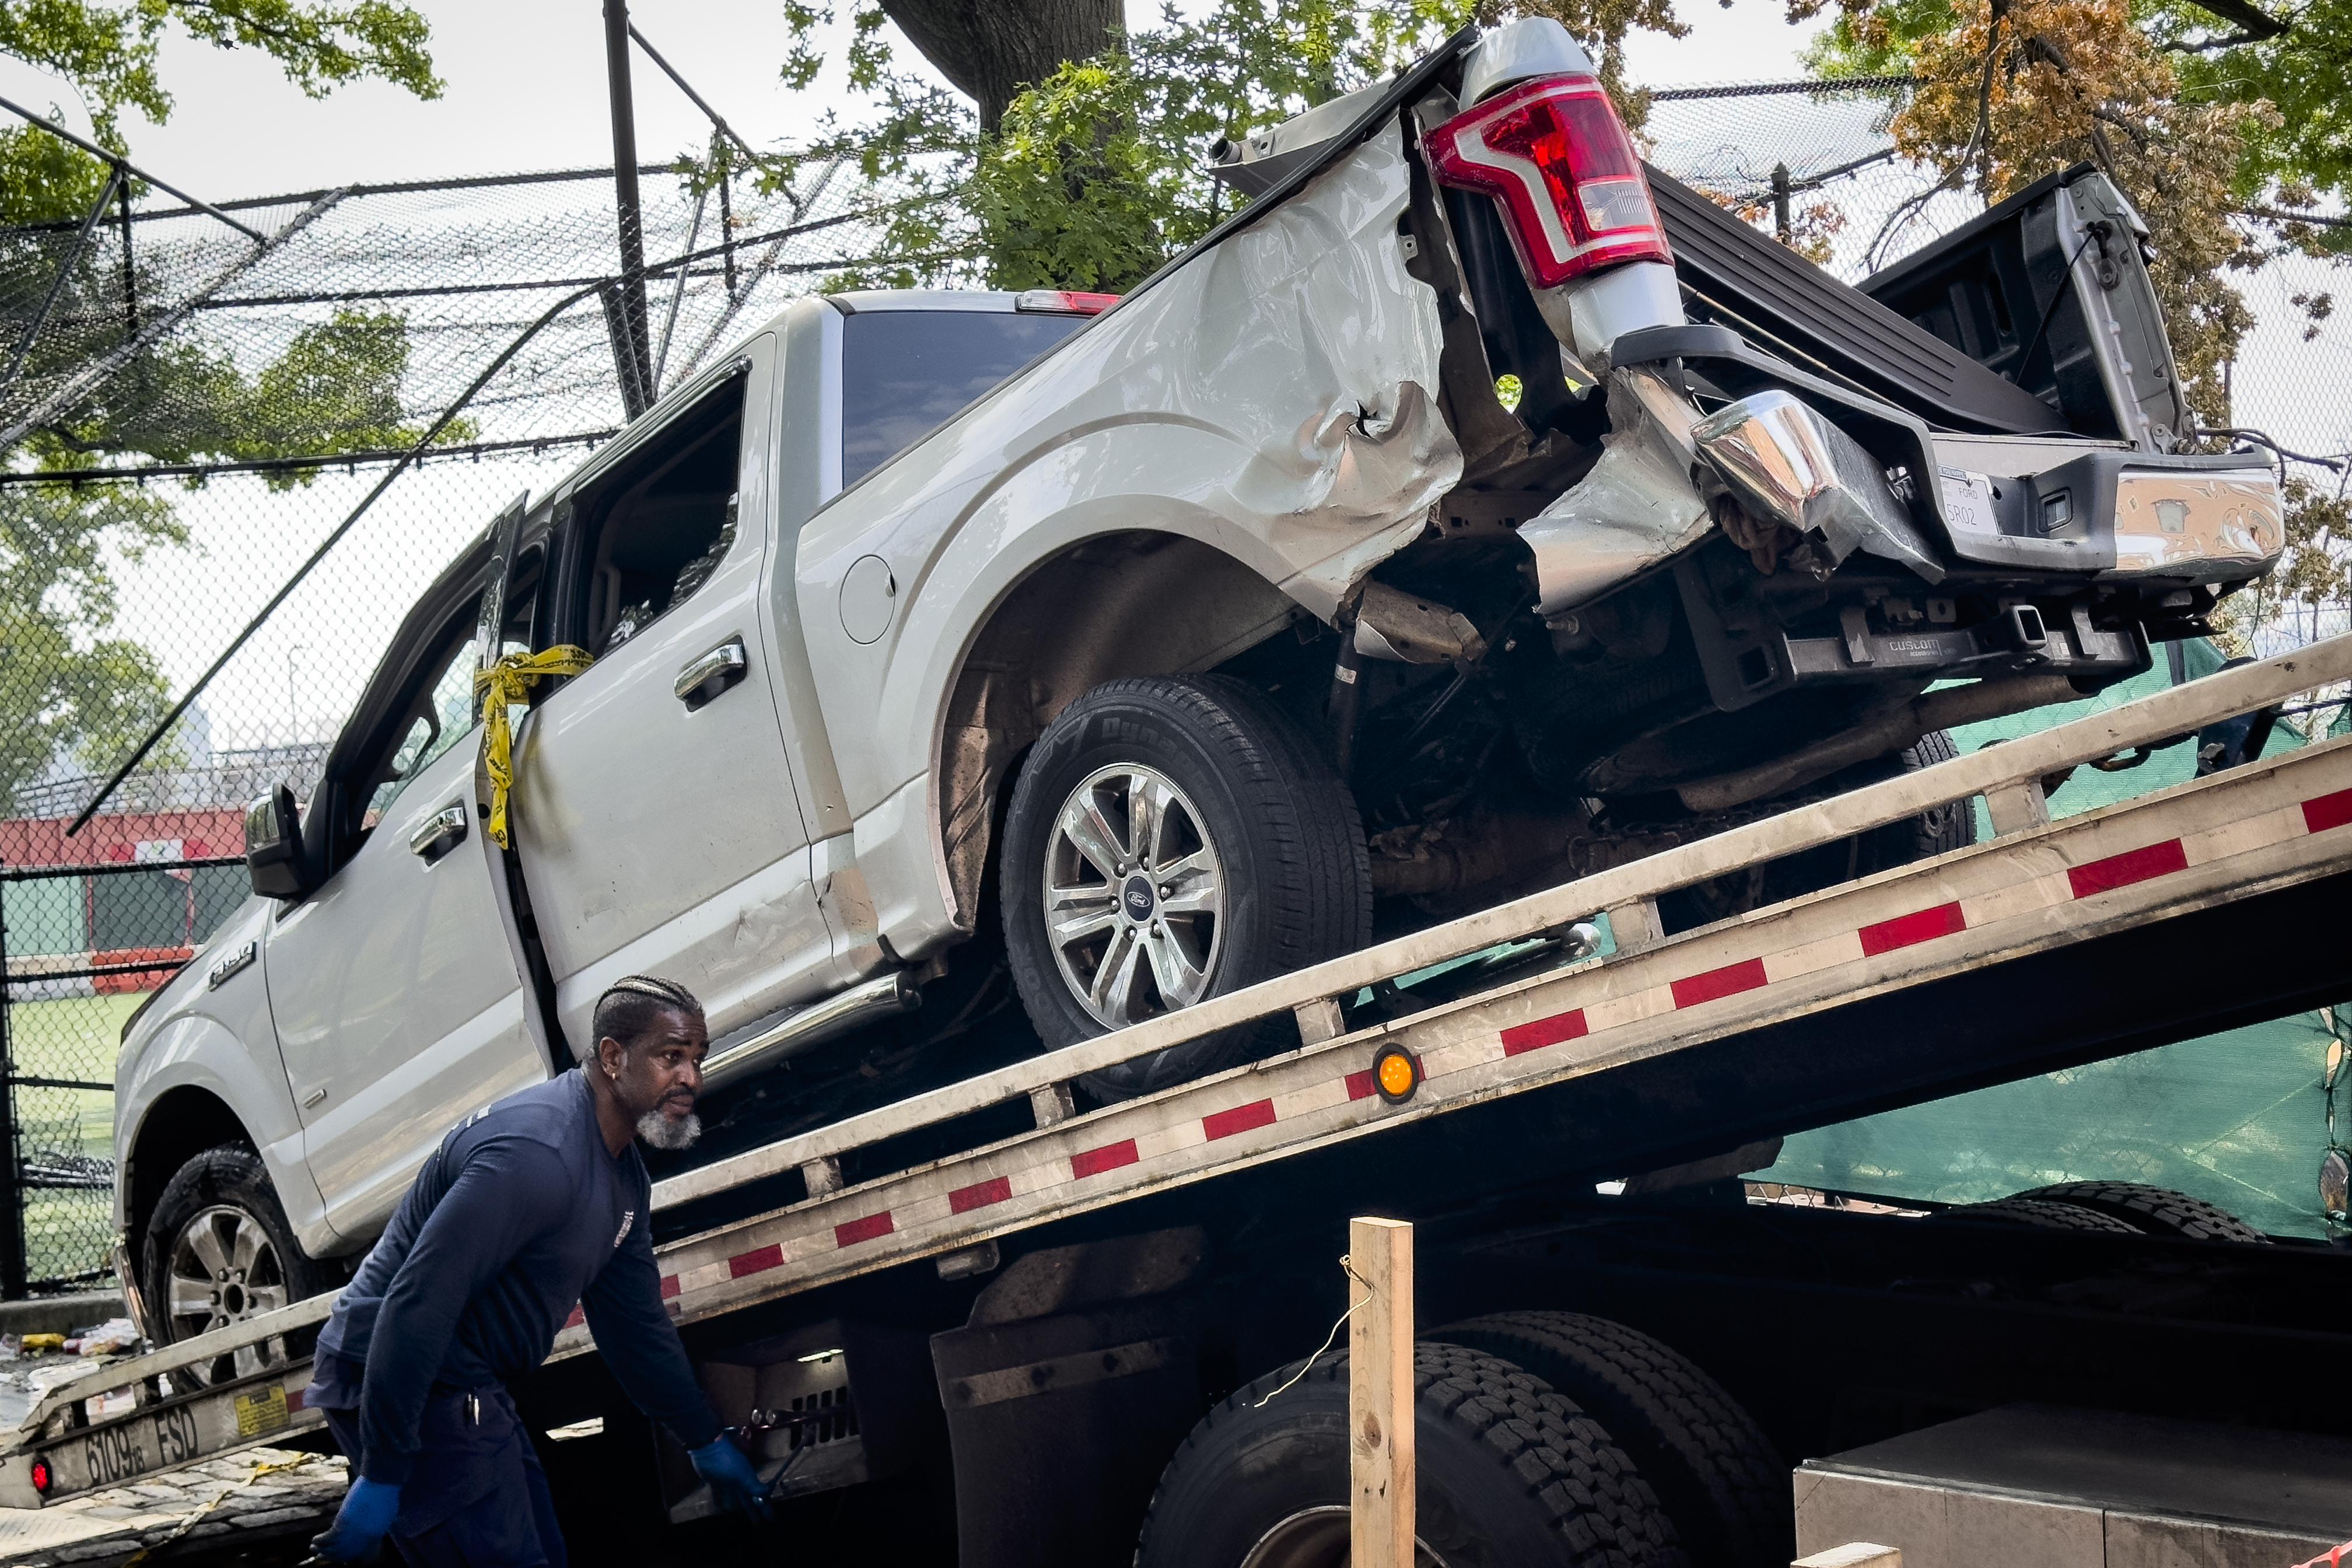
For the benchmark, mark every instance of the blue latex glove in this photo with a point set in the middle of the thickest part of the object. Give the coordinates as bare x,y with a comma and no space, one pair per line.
361,1524
733,1483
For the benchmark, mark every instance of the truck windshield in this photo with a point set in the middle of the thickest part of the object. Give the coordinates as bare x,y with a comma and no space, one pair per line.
904,372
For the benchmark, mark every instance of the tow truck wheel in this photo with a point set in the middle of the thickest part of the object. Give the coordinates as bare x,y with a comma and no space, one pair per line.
2153,1211
217,1251
2036,1213
1714,1470
1173,838
1512,1475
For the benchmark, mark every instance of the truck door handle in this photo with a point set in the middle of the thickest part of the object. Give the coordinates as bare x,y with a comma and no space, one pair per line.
438,834
711,674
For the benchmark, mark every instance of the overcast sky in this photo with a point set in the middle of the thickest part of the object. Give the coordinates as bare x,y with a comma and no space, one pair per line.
526,90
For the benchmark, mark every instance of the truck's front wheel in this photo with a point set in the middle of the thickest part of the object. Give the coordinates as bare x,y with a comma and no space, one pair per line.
1173,838
218,1250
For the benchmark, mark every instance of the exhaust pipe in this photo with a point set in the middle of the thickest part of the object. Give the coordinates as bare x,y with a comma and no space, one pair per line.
1890,731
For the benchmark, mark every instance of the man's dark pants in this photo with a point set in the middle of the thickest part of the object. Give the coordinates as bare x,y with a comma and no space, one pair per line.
477,1498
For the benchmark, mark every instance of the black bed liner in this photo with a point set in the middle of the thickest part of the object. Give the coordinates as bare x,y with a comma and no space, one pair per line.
1775,297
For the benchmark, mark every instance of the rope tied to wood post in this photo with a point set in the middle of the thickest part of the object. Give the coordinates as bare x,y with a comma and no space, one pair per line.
509,681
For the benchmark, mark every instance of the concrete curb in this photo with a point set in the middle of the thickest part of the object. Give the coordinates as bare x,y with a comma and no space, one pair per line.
60,1314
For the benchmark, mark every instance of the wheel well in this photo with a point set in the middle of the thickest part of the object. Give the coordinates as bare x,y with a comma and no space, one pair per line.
181,1125
1135,603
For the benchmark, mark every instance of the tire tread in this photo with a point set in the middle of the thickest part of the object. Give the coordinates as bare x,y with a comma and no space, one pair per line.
1590,1494
1714,1471
2153,1211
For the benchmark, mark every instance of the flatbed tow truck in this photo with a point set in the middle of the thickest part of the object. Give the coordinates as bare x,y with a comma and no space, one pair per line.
983,1289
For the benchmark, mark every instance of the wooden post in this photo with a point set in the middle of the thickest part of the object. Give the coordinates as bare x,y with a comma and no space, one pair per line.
1380,1394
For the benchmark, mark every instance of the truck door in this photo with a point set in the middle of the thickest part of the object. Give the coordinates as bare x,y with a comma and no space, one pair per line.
656,815
394,988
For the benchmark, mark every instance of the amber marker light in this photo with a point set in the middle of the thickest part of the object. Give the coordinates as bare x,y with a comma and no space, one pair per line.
1396,1074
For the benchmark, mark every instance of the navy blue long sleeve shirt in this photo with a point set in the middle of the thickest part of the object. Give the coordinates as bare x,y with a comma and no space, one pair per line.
522,1212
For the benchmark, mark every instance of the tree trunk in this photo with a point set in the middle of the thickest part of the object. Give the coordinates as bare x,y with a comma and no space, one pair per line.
991,49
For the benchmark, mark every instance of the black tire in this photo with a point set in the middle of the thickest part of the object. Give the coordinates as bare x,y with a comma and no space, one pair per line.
2037,1213
2153,1211
223,1196
1938,830
1289,844
1952,825
1512,1475
1714,1472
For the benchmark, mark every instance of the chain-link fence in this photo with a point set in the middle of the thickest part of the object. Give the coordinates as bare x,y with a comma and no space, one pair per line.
215,501
204,400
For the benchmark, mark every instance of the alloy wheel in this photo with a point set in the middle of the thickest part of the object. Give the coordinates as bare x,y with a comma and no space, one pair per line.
224,1269
1134,896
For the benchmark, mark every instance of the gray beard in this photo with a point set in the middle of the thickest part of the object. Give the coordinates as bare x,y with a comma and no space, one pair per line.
660,1133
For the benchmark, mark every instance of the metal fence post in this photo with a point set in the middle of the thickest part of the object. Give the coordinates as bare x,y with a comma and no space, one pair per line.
12,1193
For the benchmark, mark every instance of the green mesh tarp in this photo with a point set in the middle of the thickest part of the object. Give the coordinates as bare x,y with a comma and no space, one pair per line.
2237,1119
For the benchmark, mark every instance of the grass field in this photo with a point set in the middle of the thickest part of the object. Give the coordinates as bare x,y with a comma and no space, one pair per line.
67,1231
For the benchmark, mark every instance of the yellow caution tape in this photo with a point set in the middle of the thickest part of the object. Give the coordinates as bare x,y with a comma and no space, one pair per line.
509,681
191,1521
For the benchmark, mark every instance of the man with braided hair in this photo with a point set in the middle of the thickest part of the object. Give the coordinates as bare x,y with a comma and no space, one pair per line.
535,1203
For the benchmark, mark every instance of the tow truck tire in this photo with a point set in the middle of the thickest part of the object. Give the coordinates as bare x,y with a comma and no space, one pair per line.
1716,1473
1235,776
2153,1211
1512,1475
222,1202
2037,1213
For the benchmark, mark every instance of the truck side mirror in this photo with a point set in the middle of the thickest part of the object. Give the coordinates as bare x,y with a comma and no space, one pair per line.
273,844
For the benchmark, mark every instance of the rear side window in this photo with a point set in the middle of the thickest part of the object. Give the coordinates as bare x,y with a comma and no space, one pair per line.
905,373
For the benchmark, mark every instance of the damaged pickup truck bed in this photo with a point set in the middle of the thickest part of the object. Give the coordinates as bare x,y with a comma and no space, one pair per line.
1471,511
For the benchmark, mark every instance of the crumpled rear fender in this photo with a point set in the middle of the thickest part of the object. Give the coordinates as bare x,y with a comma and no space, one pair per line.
1274,399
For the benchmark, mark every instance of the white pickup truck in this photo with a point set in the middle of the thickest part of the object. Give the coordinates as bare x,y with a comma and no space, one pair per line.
1445,524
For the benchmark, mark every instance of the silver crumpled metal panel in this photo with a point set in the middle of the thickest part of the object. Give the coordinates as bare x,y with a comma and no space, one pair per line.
1304,336
1633,509
1789,464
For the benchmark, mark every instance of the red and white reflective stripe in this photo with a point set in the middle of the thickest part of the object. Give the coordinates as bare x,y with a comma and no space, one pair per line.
1323,1091
2091,878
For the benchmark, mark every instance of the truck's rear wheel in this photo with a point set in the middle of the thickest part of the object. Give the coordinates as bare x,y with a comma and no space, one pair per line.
2153,1211
218,1251
1713,1469
1936,831
2037,1213
1173,838
1512,1476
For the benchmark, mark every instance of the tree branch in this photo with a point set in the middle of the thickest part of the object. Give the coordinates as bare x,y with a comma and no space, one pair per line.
2259,23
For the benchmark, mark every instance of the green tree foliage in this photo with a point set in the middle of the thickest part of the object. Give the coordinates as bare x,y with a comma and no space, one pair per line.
110,52
1097,174
2294,58
67,685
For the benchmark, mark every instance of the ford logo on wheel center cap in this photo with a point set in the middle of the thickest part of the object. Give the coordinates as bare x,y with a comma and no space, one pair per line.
1138,898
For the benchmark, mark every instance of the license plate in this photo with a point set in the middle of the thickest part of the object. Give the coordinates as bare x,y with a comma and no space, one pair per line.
129,1449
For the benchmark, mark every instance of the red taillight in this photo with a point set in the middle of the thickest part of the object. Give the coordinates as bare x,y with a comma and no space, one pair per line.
1554,153
41,1476
1064,301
